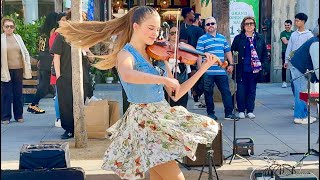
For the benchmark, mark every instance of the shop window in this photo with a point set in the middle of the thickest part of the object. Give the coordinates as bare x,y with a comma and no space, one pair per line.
13,7
45,7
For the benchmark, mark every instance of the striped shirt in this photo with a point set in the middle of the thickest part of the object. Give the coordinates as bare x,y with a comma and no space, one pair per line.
218,46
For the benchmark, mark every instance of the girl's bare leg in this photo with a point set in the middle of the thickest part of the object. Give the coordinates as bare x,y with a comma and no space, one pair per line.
169,170
154,175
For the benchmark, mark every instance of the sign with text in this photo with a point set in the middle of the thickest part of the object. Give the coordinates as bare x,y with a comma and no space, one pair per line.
240,9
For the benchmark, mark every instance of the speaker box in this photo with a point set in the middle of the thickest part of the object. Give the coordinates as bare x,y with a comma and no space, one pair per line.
75,173
40,156
201,152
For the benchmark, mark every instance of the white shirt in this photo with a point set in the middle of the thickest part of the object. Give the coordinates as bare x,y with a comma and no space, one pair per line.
172,63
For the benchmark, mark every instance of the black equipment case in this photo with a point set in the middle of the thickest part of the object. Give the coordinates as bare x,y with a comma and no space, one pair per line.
44,156
75,173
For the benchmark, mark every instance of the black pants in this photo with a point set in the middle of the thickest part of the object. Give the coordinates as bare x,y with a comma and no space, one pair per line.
43,86
183,101
65,98
125,103
198,89
246,92
11,93
284,70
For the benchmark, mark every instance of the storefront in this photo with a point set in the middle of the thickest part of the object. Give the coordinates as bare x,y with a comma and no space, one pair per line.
167,8
29,10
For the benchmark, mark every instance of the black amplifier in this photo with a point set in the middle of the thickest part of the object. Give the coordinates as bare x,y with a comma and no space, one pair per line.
243,146
38,156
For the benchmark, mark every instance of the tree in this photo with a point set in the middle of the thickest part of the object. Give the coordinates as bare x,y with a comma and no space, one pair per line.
220,10
80,134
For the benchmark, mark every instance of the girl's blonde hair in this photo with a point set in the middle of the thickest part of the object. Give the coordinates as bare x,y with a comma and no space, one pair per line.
87,34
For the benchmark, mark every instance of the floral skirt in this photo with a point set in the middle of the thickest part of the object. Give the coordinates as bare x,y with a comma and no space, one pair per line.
155,133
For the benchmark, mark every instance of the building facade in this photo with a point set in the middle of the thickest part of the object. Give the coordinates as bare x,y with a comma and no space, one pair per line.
272,14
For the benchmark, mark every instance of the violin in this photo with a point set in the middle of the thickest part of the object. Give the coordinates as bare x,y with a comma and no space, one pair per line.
186,53
162,51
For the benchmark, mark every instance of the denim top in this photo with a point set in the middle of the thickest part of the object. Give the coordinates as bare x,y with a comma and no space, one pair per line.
144,93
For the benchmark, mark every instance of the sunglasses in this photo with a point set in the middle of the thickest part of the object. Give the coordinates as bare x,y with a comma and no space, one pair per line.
249,24
9,26
212,24
173,33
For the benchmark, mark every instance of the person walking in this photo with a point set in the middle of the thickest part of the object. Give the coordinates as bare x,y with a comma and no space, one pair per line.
215,43
151,134
252,51
15,65
45,61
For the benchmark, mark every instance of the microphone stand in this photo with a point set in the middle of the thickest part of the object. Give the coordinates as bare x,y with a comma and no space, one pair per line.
234,154
310,150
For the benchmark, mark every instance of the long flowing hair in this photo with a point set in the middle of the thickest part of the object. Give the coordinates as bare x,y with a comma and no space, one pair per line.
87,34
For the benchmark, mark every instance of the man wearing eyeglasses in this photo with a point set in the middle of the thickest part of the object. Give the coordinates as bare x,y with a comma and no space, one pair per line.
215,43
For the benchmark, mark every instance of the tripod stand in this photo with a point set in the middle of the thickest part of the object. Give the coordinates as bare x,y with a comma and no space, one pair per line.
210,163
234,154
310,151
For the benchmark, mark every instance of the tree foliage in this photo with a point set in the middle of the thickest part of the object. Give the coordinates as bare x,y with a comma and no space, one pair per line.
29,32
206,2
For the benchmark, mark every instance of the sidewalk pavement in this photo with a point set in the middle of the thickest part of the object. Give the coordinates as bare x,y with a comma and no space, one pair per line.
272,130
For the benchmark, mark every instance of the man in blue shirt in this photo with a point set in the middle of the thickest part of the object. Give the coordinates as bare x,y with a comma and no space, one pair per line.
215,43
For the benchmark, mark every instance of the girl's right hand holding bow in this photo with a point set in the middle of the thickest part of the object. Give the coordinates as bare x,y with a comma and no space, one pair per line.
211,60
172,83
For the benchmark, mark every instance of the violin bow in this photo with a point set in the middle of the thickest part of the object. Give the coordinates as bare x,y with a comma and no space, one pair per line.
176,47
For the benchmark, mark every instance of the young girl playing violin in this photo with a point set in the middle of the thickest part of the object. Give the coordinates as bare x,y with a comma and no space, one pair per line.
151,134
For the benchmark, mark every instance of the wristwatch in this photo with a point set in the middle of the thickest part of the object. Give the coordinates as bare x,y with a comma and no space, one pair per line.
231,64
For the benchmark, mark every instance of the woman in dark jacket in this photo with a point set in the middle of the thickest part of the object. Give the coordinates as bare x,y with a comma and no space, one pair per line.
252,51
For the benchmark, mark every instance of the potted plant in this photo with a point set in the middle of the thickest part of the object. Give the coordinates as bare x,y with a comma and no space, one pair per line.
109,76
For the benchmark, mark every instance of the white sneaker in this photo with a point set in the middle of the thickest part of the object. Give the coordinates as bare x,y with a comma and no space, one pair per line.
199,105
241,115
57,123
304,120
196,105
251,115
284,85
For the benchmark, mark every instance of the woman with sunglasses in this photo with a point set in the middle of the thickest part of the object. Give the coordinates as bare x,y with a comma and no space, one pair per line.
151,134
15,65
252,51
